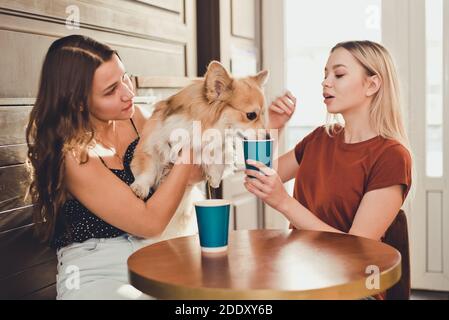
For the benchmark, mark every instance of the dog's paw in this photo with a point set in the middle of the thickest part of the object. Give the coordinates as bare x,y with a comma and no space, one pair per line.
140,189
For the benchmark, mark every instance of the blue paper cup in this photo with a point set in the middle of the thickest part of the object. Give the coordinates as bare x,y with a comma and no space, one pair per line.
258,150
213,224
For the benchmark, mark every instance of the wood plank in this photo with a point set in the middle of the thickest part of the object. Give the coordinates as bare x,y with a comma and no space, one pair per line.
13,154
122,16
30,281
48,293
140,56
169,61
14,182
20,250
17,101
16,218
164,82
13,122
170,5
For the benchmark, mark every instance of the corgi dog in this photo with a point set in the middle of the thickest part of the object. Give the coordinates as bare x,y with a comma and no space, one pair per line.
218,101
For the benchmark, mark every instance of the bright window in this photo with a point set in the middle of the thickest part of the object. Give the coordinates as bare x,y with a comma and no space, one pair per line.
313,28
434,88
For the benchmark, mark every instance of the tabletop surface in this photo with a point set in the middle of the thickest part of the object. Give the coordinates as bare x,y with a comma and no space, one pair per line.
267,264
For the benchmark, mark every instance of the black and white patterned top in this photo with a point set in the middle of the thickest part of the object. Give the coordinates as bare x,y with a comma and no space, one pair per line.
75,223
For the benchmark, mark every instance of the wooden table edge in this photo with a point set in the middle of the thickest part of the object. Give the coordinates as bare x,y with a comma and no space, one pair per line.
348,291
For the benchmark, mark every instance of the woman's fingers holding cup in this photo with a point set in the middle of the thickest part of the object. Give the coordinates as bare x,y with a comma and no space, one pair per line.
256,174
251,188
261,186
262,167
254,163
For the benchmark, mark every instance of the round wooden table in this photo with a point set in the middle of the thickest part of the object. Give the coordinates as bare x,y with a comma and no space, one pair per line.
267,264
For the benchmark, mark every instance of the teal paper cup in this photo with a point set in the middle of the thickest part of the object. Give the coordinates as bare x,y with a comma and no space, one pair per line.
258,150
213,224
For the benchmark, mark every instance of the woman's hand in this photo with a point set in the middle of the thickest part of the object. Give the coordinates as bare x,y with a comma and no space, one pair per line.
186,157
266,185
196,175
281,110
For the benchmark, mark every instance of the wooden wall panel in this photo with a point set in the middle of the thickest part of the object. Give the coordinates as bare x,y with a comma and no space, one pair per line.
13,121
46,293
14,181
30,281
12,154
140,57
150,40
27,266
136,18
20,250
170,5
16,218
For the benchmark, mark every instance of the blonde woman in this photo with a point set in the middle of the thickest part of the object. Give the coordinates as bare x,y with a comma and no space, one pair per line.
350,178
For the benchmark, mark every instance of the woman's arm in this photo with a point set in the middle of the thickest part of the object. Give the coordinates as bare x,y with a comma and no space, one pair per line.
279,113
376,212
269,188
287,166
112,200
374,215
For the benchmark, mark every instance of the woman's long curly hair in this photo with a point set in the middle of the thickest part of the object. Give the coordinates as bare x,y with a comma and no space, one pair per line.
59,122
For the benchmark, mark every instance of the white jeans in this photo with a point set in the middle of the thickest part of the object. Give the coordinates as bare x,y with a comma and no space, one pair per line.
97,269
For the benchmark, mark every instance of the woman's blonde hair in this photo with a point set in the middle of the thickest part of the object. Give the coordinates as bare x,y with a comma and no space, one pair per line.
386,107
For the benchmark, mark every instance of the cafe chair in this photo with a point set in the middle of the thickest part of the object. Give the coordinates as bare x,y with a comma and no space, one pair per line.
397,237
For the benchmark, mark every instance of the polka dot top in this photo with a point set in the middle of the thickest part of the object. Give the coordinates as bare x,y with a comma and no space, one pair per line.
76,223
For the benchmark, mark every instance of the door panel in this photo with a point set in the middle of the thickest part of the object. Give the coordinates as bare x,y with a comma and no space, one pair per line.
416,33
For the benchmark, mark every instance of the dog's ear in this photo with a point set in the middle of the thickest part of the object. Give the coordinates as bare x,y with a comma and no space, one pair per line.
217,81
261,78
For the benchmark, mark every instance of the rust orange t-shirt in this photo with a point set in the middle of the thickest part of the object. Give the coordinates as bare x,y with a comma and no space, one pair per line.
333,176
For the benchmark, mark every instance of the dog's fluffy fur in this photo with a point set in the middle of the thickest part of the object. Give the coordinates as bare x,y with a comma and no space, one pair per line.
218,101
